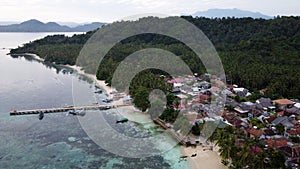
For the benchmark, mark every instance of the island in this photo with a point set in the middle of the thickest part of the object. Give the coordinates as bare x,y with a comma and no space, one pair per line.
259,126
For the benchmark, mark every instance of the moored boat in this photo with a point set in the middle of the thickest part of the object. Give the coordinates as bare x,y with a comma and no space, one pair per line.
122,120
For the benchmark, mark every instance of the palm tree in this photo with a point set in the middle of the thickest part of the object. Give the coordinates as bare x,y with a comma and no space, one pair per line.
217,136
245,153
277,159
225,149
259,161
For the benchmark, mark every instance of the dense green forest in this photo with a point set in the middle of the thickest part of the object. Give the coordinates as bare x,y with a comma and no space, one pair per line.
256,53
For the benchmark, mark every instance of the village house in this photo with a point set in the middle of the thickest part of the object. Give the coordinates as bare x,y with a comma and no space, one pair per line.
284,103
235,120
229,93
255,132
244,107
293,132
241,92
204,85
265,104
269,133
204,99
297,105
293,111
285,121
231,102
276,143
270,119
254,113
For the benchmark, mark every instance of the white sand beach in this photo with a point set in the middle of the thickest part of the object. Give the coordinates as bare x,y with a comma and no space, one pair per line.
34,56
99,83
107,89
205,158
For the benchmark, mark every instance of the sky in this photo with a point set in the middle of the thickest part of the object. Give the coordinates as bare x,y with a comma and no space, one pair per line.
112,10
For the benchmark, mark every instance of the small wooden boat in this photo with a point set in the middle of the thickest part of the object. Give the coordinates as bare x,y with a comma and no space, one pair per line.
194,155
77,113
107,100
98,91
122,120
41,115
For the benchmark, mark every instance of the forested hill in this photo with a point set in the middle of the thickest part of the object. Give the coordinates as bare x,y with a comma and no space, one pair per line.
256,53
34,25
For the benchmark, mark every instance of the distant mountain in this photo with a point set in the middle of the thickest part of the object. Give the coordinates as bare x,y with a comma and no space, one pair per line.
34,25
88,27
70,24
237,13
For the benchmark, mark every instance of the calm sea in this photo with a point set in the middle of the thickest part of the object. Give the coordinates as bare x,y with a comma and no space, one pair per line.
58,141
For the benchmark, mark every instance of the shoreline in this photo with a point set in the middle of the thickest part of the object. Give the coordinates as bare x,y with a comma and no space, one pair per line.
100,83
107,89
34,56
204,159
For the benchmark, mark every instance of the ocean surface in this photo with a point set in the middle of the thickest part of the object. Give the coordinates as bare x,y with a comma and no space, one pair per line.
58,141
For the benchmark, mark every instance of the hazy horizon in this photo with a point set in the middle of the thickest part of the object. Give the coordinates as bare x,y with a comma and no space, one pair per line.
81,11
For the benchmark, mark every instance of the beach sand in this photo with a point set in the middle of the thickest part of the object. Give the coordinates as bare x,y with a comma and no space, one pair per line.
99,83
34,56
205,159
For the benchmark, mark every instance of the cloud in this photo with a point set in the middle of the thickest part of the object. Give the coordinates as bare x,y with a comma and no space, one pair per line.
8,3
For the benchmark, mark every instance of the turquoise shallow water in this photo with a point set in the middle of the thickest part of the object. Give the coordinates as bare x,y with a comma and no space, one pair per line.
58,141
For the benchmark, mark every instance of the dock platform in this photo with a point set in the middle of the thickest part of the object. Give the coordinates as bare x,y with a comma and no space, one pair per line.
58,110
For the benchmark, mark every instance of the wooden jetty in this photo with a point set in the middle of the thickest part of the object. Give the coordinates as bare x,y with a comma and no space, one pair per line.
158,121
58,110
171,132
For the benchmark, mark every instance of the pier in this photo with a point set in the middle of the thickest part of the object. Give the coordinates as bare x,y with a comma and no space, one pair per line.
171,132
179,138
58,110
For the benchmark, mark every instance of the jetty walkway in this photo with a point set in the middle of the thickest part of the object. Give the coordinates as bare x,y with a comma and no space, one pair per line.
62,109
170,131
179,138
